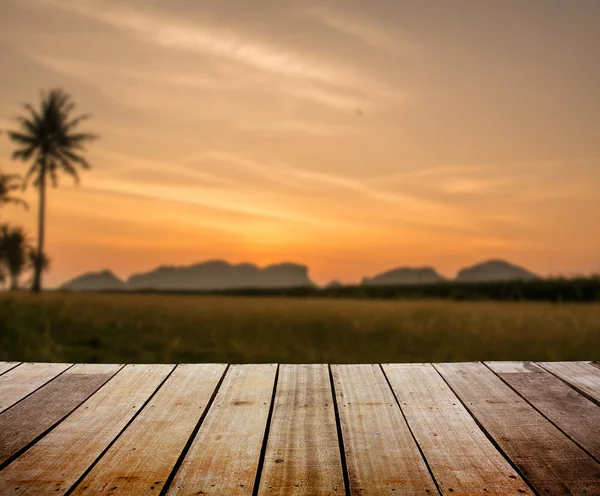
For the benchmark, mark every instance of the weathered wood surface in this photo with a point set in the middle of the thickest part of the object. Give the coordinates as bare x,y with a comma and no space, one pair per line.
224,456
31,417
571,412
551,462
6,366
59,459
164,426
25,379
381,454
582,376
303,455
500,428
462,459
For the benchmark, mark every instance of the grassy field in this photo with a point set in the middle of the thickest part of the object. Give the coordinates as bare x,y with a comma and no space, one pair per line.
169,328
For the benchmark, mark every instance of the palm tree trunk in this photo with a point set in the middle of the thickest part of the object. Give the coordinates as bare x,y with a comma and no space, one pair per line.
37,273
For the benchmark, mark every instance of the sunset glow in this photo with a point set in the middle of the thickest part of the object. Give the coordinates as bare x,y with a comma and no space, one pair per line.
352,137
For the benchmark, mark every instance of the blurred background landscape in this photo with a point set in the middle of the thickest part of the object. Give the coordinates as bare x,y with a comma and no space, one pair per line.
299,181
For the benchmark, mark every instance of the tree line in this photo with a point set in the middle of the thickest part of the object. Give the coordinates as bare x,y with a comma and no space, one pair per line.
48,139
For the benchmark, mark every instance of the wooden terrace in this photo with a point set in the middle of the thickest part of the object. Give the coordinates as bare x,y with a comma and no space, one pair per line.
494,428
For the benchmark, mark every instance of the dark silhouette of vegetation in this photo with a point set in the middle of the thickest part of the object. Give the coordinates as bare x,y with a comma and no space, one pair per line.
10,183
14,248
49,139
580,289
34,260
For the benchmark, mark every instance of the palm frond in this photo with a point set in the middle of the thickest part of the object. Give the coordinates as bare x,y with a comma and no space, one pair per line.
79,139
76,158
73,123
23,139
35,168
53,177
29,126
67,167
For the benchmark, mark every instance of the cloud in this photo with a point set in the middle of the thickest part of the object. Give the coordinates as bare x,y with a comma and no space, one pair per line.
333,99
302,127
228,44
298,73
92,71
287,174
361,29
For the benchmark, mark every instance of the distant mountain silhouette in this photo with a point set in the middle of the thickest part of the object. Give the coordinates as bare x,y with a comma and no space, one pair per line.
218,274
95,281
494,270
221,275
404,275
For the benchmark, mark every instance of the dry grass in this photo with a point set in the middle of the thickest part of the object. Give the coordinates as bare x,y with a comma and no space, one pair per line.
170,328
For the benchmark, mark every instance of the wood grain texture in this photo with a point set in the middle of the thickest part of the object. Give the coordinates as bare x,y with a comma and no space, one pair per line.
381,454
224,456
6,366
576,415
31,417
140,461
56,461
302,455
551,462
583,376
461,457
25,379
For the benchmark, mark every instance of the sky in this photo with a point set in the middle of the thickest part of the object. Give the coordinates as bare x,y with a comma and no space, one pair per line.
349,136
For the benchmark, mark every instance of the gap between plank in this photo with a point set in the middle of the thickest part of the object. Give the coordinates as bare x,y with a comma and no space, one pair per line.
12,368
487,434
263,449
542,414
89,469
39,387
189,442
411,431
338,424
8,461
572,386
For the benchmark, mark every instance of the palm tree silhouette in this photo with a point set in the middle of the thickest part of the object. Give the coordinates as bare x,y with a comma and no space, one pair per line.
48,137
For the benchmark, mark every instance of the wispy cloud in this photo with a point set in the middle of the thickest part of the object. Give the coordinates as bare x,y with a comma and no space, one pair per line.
235,46
333,99
92,71
483,169
232,202
362,29
302,127
299,73
287,174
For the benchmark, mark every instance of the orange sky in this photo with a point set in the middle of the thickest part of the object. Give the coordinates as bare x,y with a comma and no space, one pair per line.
349,136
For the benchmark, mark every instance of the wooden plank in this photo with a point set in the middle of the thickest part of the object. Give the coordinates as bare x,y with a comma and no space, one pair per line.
31,417
302,454
381,454
577,416
582,376
6,366
551,462
26,378
140,461
57,460
224,456
460,456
